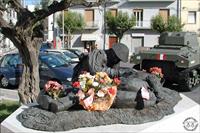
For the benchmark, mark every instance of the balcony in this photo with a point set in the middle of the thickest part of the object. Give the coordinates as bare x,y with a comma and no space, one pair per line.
113,1
106,1
143,25
151,0
92,25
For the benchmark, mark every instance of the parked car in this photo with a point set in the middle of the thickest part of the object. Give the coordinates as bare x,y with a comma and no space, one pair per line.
76,52
74,57
46,45
51,66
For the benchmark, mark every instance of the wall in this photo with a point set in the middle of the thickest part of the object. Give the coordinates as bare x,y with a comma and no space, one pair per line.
190,5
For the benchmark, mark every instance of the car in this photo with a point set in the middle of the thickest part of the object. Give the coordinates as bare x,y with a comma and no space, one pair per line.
51,66
74,57
76,51
45,45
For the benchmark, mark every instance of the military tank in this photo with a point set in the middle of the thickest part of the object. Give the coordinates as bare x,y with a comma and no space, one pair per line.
178,55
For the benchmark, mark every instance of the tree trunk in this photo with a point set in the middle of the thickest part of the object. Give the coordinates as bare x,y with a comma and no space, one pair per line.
29,85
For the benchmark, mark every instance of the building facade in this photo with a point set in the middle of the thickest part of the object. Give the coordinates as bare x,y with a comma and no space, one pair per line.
190,15
95,32
5,44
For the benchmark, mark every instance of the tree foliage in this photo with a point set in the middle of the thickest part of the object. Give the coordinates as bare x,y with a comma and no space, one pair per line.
72,22
173,24
120,23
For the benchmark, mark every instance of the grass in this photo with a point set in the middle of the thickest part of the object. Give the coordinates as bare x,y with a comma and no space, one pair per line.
7,107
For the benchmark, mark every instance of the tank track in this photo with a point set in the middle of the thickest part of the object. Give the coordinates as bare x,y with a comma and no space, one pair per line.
187,81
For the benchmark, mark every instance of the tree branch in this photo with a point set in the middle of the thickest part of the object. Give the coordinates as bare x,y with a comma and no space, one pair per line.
3,22
15,4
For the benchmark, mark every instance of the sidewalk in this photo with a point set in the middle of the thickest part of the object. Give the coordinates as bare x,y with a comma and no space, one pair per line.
9,94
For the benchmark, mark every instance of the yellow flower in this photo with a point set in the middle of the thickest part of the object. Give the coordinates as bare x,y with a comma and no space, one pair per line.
89,82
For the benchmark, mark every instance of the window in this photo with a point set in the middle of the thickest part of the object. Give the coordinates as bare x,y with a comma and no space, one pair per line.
191,17
89,17
113,12
11,60
138,13
164,13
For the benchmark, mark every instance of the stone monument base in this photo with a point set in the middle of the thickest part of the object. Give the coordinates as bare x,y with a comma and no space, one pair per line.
186,108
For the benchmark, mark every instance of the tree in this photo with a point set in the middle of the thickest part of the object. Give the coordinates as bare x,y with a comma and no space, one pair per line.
173,24
158,24
26,36
119,24
72,22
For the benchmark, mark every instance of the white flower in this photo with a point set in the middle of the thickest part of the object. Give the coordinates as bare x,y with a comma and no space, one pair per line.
100,93
82,83
95,84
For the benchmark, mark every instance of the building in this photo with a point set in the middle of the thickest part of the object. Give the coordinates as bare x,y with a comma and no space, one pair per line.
140,35
5,44
190,15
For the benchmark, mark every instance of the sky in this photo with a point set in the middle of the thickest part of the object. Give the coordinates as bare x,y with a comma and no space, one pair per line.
31,2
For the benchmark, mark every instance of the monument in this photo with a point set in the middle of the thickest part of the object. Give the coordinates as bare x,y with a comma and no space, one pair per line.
131,106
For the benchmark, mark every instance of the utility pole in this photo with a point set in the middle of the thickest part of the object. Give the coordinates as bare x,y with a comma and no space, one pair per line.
104,25
54,32
63,29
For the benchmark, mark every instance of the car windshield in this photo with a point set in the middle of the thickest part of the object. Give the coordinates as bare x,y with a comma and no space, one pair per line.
53,60
11,60
70,54
67,58
76,51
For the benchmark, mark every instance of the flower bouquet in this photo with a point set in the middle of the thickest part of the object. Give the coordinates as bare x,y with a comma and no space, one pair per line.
96,92
53,89
157,71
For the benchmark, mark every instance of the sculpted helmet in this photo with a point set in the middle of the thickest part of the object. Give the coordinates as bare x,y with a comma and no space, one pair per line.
122,51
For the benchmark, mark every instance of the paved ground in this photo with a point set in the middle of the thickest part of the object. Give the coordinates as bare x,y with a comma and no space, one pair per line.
194,95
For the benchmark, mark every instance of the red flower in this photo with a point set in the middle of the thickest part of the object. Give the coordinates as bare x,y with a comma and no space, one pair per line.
157,71
76,84
117,81
112,90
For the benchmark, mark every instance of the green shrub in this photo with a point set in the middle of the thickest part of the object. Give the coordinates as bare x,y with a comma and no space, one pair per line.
7,107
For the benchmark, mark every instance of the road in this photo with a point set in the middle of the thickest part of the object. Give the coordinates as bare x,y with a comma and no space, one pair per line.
13,95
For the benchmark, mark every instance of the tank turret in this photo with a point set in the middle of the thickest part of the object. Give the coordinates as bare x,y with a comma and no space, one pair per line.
178,55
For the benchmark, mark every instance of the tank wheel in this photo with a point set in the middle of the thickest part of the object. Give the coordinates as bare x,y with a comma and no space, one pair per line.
186,83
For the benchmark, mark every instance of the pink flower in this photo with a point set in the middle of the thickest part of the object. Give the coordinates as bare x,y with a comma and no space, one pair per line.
53,88
117,81
102,81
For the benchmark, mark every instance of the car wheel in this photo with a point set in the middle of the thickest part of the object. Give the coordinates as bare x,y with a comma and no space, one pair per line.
4,82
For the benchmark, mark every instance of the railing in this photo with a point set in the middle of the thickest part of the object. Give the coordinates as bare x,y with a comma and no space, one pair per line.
143,24
151,0
92,25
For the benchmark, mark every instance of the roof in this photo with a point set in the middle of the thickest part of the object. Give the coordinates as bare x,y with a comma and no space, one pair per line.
89,37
